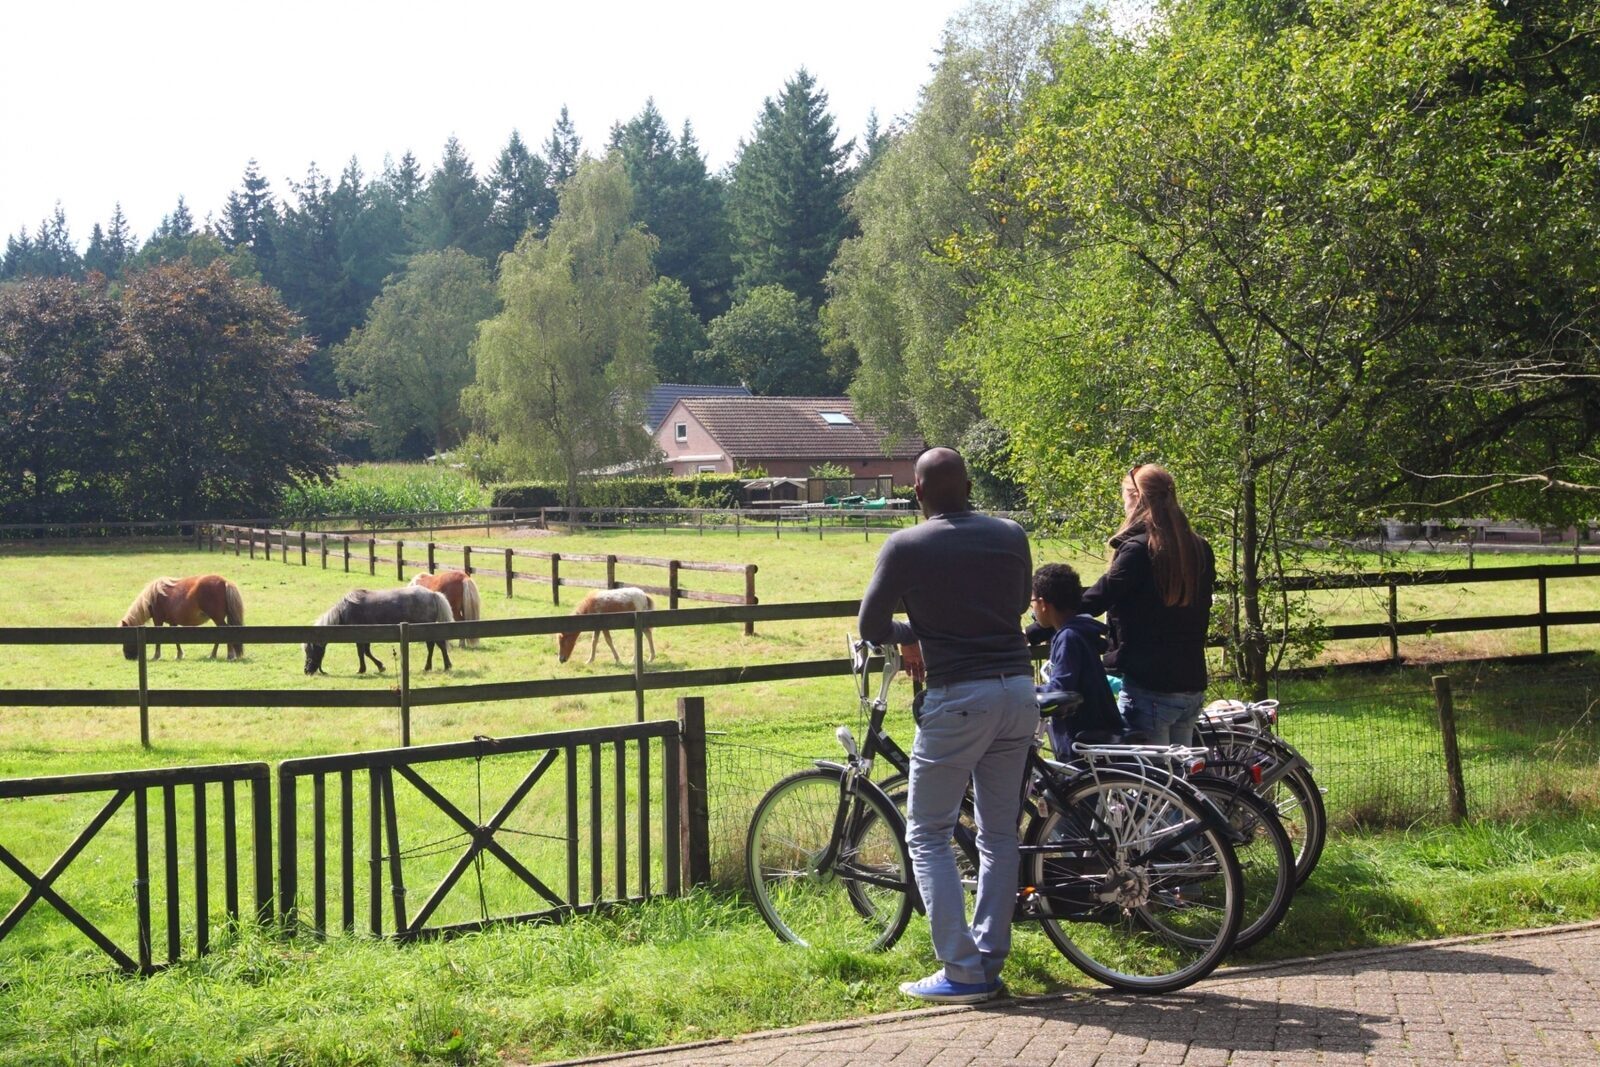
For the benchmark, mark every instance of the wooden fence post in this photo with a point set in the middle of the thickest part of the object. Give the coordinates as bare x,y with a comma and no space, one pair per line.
1452,752
324,550
252,544
283,548
1394,623
466,559
399,561
431,566
695,826
611,572
144,688
1544,618
347,553
236,548
372,556
638,669
555,577
302,548
509,574
672,584
405,685
750,596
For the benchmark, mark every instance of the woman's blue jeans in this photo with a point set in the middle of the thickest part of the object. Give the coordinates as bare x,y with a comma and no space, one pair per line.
1164,718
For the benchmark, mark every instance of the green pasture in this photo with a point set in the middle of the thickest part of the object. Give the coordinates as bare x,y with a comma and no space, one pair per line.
672,970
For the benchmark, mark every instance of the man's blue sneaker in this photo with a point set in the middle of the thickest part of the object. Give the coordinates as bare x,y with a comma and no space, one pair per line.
938,989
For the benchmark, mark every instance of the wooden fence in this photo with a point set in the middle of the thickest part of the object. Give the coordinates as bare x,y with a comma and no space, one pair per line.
343,549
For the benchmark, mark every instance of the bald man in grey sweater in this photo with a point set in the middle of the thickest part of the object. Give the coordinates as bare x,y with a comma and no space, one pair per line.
963,580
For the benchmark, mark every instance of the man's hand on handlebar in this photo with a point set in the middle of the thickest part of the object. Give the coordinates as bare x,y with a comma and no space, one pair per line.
911,662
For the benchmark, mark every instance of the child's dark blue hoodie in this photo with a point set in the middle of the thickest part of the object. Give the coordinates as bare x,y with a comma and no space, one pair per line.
1075,652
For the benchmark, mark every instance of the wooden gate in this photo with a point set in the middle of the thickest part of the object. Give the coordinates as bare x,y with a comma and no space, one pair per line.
597,811
121,785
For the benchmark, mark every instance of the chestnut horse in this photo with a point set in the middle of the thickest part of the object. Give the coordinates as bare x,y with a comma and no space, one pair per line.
462,592
627,598
186,602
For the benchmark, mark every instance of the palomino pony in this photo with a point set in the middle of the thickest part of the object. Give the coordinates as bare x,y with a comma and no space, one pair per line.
186,602
408,603
627,598
462,592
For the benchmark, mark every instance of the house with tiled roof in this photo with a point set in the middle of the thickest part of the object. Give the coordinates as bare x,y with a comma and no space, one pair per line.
786,436
664,394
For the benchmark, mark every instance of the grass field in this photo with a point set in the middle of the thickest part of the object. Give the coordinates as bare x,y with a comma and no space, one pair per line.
677,970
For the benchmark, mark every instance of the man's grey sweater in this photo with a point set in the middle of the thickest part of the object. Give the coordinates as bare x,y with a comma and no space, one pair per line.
964,580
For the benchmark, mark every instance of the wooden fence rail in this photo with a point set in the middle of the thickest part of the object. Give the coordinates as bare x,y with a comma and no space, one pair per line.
297,545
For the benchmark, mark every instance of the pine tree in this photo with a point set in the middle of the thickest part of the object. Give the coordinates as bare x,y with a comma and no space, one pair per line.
250,222
785,203
523,199
454,211
561,151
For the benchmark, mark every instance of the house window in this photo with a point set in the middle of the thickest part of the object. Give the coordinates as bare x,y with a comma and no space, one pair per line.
705,468
835,418
680,431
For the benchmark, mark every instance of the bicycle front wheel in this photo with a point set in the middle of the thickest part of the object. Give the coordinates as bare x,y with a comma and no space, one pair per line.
1133,885
859,899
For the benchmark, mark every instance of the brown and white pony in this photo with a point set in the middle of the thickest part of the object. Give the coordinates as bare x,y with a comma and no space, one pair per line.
627,598
462,592
186,602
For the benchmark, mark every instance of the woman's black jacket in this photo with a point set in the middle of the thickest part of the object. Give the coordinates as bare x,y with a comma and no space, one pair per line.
1153,646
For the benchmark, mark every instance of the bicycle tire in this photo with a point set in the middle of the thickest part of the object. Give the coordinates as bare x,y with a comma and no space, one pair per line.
1304,816
863,902
1115,919
1266,856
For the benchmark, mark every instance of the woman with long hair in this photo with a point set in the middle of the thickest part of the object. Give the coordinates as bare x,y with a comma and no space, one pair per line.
1157,597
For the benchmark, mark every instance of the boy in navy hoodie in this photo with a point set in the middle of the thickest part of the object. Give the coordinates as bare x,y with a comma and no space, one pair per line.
1074,664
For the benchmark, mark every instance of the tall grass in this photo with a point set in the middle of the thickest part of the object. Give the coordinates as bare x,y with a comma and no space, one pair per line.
370,489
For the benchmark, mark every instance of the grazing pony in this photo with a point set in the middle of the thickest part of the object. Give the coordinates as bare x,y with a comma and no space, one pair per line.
408,603
627,598
462,592
186,602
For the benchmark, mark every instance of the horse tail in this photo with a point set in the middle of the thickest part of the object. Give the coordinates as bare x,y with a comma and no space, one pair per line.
471,607
235,613
442,612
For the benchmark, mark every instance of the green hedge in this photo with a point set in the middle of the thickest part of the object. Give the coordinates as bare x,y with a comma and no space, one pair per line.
701,491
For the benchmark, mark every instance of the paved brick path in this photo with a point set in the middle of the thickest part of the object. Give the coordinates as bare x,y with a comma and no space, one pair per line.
1529,999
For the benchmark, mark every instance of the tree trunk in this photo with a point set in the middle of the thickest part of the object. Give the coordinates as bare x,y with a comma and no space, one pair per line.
1253,639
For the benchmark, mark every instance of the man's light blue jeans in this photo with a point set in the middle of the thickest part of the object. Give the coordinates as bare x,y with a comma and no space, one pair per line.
977,731
1165,718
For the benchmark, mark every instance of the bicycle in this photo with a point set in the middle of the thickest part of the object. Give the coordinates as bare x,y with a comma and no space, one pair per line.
1129,869
1242,744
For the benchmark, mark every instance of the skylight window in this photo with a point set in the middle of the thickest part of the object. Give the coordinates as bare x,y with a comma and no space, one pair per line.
836,418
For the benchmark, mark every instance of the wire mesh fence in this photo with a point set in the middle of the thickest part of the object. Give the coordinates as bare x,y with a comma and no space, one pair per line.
1378,754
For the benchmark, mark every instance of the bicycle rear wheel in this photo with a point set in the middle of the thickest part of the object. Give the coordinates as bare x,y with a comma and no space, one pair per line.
861,899
1133,885
1266,856
1304,817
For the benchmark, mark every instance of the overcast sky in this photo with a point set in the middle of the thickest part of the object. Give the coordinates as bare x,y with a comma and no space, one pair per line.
138,102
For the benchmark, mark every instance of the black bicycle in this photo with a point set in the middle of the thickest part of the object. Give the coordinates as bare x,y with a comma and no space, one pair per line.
1129,868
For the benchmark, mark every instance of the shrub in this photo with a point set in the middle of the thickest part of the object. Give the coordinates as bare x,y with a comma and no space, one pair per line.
701,491
383,489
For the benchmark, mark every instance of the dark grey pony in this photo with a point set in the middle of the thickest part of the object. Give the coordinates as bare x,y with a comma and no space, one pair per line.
360,607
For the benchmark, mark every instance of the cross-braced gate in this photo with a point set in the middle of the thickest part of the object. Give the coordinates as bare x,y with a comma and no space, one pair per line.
192,811
543,807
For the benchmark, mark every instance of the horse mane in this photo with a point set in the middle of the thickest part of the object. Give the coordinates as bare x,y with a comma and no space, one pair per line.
334,615
143,605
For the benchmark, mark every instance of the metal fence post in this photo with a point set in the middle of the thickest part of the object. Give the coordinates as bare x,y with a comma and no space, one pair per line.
288,852
695,828
1452,752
